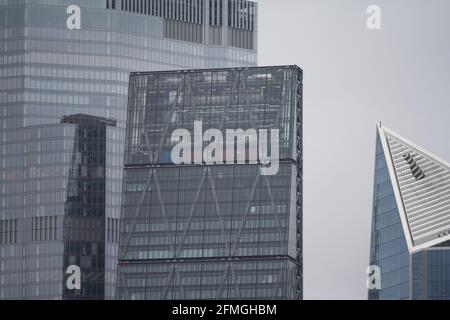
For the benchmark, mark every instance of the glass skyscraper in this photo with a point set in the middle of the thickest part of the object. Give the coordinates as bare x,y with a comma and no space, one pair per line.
212,231
411,221
60,86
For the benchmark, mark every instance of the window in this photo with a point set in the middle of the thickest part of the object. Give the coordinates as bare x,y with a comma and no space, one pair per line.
8,231
112,230
44,228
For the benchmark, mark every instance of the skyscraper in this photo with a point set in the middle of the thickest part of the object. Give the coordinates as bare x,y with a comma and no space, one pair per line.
411,220
212,230
63,58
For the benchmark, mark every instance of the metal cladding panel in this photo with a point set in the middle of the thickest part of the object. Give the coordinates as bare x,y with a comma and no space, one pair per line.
424,184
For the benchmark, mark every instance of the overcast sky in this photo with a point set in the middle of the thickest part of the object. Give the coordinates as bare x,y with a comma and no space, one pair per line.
353,78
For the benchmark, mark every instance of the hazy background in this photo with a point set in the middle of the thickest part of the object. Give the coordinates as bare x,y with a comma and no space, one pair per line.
354,77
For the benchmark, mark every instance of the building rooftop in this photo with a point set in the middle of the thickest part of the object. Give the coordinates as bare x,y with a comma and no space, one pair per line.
216,69
421,183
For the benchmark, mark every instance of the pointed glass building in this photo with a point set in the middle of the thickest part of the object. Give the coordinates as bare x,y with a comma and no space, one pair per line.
411,221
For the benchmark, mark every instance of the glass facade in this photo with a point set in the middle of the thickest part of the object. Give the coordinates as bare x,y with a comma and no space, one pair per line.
85,221
388,248
431,273
211,231
424,274
47,72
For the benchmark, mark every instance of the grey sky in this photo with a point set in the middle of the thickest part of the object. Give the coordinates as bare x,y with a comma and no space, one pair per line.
354,77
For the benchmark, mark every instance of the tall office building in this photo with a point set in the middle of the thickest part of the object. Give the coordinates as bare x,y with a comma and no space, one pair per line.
73,57
411,221
203,230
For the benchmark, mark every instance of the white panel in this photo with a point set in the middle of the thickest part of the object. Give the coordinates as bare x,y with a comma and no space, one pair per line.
424,183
